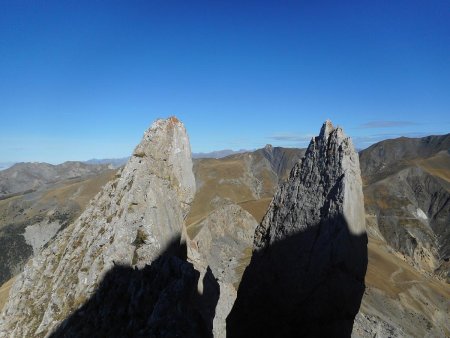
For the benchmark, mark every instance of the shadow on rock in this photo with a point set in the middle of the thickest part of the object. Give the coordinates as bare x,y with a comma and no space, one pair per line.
160,300
309,284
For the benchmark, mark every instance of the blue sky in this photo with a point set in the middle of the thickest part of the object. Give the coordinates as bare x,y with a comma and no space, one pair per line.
84,79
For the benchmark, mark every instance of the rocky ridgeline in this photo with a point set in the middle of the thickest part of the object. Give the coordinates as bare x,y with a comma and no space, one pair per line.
306,276
130,223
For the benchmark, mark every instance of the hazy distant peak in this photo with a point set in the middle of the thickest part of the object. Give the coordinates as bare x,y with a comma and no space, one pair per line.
218,153
114,162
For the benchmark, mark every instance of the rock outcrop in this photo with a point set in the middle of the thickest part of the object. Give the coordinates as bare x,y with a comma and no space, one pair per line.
223,247
128,225
159,300
306,276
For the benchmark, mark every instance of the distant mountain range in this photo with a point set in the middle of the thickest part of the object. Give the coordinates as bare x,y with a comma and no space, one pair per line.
27,177
114,162
219,153
118,162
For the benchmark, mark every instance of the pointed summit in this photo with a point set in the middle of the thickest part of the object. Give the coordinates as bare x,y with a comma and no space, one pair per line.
306,276
166,151
132,221
330,161
326,129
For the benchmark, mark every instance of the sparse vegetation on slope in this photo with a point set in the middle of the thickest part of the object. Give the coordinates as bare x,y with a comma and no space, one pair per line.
52,207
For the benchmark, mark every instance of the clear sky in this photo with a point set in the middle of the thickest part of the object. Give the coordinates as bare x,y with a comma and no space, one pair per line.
84,79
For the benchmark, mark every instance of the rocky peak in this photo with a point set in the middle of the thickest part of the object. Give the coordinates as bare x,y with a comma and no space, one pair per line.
268,147
326,129
268,152
306,276
131,222
165,150
329,180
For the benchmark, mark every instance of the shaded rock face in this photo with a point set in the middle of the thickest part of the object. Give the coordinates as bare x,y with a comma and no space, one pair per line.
160,300
129,223
222,248
306,276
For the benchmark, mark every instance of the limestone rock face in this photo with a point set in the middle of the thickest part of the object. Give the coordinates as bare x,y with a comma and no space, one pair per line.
129,223
222,246
306,276
326,185
166,149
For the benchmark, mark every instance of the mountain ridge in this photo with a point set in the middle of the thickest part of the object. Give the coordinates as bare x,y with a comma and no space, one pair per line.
393,271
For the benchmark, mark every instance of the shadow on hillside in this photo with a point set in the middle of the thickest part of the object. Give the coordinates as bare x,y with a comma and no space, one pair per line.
160,300
308,285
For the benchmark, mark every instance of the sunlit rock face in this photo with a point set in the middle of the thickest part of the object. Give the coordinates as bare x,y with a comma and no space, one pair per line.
130,223
306,276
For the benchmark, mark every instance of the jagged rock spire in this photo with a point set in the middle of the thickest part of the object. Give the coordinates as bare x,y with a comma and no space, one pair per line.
326,129
306,277
129,223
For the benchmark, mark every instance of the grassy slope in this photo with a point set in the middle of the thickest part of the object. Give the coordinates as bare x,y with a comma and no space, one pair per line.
68,199
4,291
230,178
399,294
437,165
